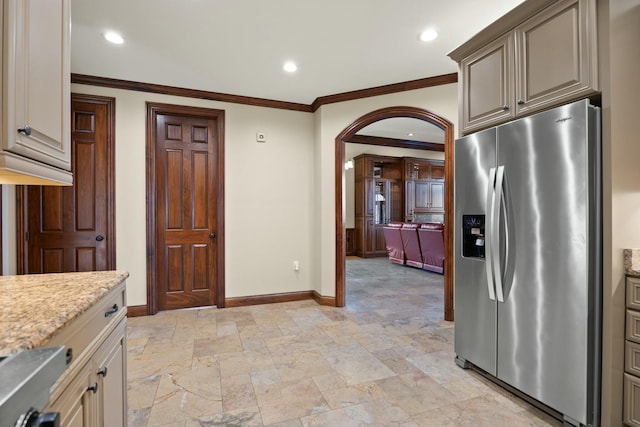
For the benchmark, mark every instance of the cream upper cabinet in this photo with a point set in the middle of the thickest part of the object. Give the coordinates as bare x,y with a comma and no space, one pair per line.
36,85
540,55
487,78
557,56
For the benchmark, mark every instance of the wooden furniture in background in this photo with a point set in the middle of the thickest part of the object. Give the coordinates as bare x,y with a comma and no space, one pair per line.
351,242
378,201
394,189
423,190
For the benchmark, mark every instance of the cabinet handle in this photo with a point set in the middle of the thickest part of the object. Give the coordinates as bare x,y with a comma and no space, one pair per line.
93,388
25,130
103,372
112,311
69,356
99,238
212,235
505,107
520,101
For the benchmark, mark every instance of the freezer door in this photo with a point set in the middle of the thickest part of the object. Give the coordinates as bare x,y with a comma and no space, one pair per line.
475,335
543,332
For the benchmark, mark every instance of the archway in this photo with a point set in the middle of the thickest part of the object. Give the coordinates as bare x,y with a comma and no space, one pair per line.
345,136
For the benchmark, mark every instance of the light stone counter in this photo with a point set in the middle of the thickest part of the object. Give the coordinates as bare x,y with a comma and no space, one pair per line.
632,262
36,306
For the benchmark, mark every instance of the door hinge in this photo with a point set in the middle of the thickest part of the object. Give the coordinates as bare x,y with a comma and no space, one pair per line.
27,236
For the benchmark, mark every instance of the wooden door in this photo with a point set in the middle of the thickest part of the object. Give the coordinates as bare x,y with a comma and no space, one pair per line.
185,151
71,229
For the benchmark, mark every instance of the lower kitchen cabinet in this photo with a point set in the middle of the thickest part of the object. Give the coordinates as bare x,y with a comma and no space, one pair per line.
92,392
632,353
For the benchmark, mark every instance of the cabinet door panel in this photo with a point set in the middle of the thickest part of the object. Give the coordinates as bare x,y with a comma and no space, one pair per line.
554,56
487,89
436,171
37,75
422,195
110,369
76,404
436,193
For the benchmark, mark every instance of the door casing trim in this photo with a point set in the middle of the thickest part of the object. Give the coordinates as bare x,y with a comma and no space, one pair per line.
153,110
344,137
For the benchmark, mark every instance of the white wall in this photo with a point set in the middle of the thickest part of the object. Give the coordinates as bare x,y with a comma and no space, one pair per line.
268,194
440,100
620,61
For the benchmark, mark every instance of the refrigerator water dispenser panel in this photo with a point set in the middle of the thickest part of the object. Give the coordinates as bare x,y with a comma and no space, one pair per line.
473,236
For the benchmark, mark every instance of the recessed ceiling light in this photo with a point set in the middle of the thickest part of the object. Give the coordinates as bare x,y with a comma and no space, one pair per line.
290,67
410,134
428,35
113,37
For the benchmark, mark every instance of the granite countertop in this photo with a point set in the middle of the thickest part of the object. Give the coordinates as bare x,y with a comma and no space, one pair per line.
36,306
632,262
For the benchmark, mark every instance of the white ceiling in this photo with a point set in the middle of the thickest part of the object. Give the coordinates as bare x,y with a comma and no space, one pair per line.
405,128
238,46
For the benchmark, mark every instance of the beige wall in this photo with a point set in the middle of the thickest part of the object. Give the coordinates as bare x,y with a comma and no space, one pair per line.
279,196
440,100
268,194
620,61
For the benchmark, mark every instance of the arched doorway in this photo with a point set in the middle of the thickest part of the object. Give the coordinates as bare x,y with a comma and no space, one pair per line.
345,136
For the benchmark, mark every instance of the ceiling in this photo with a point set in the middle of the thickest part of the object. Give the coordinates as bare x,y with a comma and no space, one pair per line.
239,46
404,128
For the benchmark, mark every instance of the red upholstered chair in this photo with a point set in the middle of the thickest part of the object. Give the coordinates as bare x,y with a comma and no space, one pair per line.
409,232
432,246
393,241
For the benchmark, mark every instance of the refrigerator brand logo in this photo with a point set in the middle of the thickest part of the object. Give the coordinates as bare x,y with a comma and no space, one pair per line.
564,119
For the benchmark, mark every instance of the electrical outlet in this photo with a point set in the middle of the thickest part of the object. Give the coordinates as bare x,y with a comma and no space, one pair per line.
296,265
261,137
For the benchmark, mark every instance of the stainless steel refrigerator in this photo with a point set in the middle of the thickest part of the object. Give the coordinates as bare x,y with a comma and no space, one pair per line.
528,257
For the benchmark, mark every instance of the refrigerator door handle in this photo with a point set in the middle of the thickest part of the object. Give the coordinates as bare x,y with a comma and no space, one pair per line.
488,228
495,234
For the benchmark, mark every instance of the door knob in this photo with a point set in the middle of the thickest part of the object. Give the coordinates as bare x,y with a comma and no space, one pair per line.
212,235
99,238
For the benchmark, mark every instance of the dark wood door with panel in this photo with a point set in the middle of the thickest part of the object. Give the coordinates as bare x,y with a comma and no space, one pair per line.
185,166
71,229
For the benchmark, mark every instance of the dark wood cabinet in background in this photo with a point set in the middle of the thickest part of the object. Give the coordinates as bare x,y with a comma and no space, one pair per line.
378,201
394,189
423,190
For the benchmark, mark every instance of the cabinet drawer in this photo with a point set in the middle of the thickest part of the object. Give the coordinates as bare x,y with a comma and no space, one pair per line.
633,326
631,400
632,358
102,316
633,293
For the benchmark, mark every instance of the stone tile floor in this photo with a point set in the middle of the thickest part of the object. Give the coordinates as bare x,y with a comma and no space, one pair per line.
384,360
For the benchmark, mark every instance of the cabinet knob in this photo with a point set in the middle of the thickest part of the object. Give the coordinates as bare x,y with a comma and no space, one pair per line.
25,130
99,238
505,107
520,101
212,235
93,388
103,372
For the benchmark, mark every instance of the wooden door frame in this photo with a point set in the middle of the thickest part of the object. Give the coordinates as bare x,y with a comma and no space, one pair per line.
22,218
346,136
153,110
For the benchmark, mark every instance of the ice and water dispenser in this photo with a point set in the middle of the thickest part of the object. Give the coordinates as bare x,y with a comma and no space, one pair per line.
473,236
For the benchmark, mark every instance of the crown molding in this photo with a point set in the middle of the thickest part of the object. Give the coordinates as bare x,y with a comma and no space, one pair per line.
261,102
